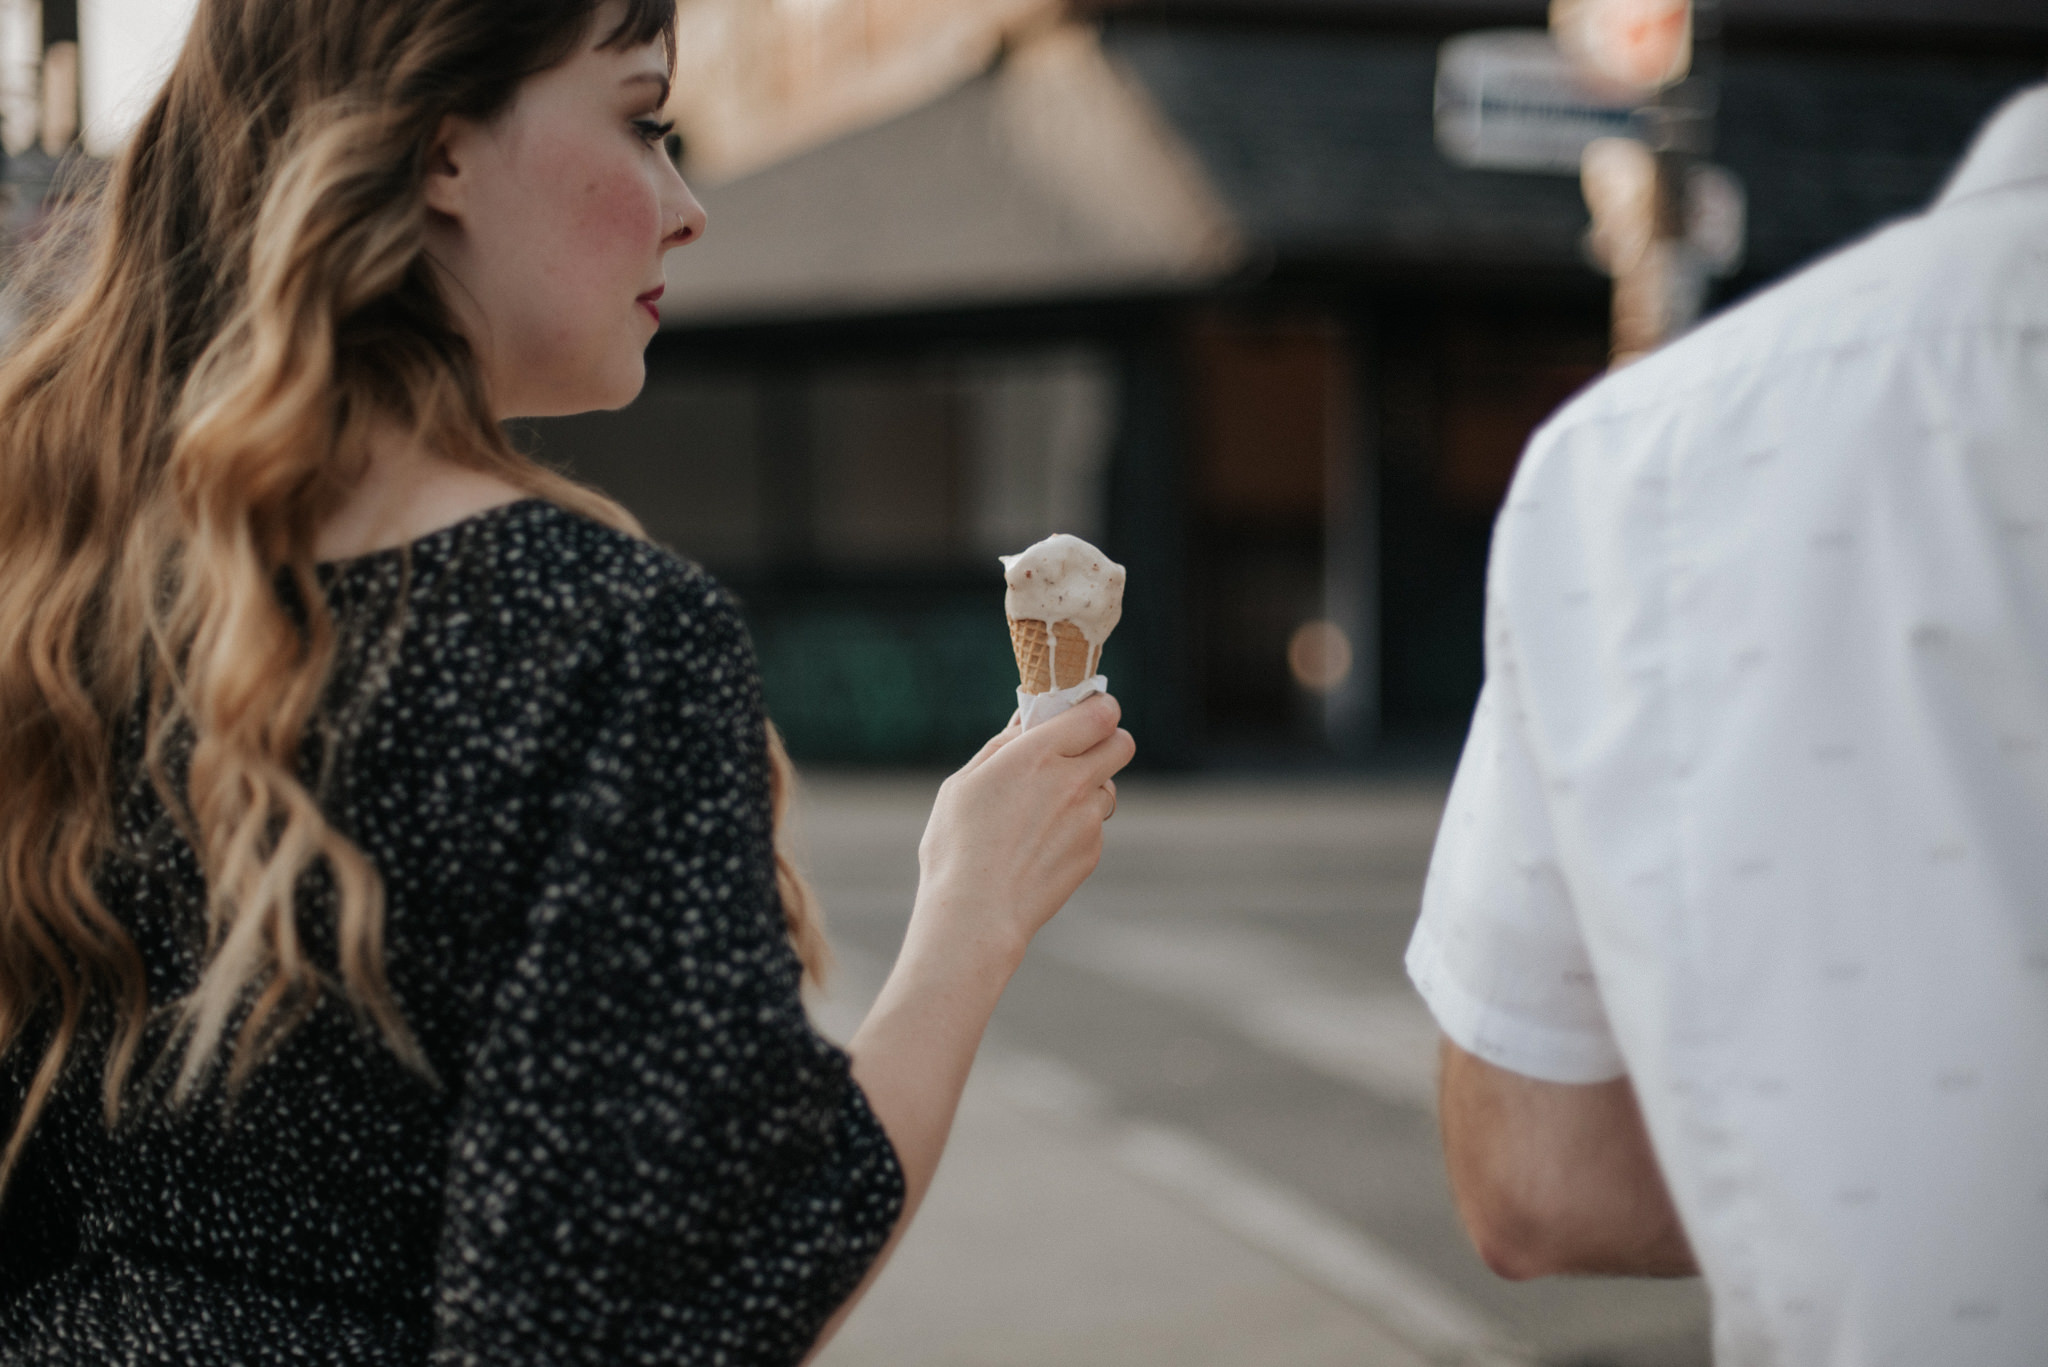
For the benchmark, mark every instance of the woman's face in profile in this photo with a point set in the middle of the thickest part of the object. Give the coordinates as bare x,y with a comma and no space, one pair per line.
550,224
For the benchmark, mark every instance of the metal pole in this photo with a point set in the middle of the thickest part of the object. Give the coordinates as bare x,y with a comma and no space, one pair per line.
1660,291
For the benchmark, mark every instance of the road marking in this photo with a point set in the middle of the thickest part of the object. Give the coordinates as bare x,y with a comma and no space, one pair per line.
1409,1302
1272,992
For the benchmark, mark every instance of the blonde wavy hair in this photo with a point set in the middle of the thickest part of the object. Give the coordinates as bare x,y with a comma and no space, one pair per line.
185,401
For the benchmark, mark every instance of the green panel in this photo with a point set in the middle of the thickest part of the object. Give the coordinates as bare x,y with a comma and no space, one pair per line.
853,686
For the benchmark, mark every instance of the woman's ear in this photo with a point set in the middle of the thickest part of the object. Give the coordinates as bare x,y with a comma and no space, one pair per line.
447,187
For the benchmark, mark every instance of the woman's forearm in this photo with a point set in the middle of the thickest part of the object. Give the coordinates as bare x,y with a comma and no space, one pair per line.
912,1055
1011,836
913,1052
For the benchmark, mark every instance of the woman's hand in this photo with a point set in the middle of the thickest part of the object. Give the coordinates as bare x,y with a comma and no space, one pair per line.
1016,831
1011,836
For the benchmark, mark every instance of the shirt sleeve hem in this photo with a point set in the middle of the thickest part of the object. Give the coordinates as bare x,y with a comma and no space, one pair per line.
1544,1052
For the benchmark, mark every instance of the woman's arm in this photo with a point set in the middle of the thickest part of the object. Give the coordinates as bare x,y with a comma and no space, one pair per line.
653,1156
1013,834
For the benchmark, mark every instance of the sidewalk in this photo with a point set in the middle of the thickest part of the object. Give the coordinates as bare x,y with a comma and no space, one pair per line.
1200,1132
1037,1246
1149,1285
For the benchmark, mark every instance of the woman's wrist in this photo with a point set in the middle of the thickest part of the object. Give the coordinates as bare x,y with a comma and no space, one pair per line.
962,936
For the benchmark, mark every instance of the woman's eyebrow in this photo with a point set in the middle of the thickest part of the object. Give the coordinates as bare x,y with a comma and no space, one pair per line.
649,77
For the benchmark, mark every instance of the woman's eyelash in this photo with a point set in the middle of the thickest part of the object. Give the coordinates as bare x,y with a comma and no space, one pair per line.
653,131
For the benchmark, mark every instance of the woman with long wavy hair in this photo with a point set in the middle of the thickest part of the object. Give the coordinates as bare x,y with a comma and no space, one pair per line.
396,960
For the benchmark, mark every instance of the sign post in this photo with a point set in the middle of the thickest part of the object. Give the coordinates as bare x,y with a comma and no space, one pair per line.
1663,220
1621,94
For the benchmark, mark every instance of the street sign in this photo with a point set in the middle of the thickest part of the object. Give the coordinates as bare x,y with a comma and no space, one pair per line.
1608,93
1644,45
1509,100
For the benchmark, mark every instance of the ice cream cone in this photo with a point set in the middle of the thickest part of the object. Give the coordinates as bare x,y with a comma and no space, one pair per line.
1048,660
1062,597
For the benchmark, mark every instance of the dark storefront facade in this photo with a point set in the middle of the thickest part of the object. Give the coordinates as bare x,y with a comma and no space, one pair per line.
1294,427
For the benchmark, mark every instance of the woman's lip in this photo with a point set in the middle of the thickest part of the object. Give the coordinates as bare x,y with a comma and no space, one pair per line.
651,300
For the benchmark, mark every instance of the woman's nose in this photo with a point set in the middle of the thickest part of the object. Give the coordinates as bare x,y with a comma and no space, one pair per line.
690,218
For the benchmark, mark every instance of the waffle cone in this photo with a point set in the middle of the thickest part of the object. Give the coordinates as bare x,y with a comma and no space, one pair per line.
1036,657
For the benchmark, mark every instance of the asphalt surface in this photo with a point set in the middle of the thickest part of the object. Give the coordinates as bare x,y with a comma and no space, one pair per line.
1201,1128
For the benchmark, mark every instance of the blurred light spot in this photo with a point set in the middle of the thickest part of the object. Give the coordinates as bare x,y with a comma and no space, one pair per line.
1319,654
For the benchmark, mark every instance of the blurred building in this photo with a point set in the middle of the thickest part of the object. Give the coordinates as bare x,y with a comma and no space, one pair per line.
39,104
75,75
1190,278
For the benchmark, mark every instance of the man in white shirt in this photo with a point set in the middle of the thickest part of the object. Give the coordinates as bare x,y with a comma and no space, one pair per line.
1737,925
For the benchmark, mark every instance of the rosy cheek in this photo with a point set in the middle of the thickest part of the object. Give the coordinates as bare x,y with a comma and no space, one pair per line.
617,214
608,209
616,209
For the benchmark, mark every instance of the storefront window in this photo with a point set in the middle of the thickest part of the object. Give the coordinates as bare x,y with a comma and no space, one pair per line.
685,458
931,461
857,509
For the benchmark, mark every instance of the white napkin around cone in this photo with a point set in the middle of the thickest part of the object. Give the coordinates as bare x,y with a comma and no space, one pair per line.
1034,708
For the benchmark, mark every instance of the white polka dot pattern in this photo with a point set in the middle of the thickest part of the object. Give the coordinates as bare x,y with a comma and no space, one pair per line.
638,1152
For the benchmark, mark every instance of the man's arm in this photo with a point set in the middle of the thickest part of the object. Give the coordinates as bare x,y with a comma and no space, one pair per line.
1552,1178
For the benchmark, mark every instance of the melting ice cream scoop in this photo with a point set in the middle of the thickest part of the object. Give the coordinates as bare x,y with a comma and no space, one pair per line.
1064,579
1064,599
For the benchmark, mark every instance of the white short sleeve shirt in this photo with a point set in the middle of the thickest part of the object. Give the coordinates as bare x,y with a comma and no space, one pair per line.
1755,804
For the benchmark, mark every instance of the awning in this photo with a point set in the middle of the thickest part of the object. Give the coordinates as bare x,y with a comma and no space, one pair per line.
1050,176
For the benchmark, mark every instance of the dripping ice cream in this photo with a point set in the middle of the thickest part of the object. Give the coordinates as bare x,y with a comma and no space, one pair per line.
1064,598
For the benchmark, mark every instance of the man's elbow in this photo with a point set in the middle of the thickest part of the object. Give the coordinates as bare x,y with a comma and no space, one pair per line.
1502,1168
1526,1224
1556,1178
1517,1263
1514,1237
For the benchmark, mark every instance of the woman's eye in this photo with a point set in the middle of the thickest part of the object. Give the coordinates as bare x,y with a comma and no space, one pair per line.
653,131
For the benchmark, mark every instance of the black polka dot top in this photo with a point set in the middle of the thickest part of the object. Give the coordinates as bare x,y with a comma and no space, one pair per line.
635,1149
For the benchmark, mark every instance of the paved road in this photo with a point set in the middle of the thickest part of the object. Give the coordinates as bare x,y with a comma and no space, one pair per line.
1201,1129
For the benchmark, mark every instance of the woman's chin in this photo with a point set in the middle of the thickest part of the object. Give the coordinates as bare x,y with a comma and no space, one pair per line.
628,384
617,386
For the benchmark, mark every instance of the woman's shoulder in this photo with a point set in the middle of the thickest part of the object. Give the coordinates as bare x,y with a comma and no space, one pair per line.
538,596
654,610
551,564
584,565
539,560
